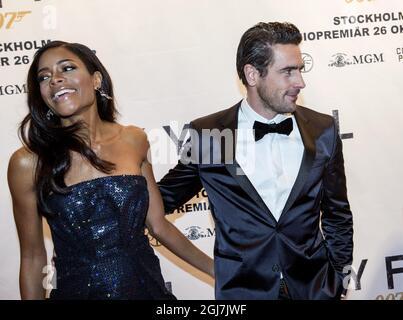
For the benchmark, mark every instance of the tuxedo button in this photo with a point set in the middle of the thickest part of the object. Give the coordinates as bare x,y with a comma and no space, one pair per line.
275,268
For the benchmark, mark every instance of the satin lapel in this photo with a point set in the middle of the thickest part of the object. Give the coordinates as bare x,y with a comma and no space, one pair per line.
230,121
308,138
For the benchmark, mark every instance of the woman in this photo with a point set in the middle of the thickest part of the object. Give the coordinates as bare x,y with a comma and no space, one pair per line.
90,178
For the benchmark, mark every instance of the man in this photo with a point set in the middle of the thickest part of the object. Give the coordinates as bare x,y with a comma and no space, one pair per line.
277,191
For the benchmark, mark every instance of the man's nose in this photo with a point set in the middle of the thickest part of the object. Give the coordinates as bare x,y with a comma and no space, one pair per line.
299,81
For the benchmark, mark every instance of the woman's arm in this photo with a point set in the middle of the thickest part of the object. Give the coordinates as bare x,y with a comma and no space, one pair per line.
163,230
29,224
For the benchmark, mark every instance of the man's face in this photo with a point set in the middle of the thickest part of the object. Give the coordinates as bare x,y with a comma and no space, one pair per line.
279,89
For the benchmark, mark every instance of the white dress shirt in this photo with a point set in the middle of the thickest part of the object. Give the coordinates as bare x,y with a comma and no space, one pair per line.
272,163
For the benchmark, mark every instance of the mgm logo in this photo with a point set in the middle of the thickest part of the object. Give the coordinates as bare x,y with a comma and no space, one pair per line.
1,3
192,233
341,59
196,233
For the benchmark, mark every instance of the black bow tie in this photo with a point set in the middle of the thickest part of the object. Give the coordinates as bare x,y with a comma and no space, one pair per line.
261,129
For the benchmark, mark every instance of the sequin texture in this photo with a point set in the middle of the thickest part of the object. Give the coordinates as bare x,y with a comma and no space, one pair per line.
101,251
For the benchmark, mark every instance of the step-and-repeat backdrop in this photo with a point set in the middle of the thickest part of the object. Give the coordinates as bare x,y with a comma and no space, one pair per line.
173,61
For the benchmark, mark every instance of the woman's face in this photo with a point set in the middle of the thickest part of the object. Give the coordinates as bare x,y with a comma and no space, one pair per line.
66,85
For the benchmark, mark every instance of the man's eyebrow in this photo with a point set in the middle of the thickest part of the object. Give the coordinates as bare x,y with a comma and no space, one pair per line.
293,67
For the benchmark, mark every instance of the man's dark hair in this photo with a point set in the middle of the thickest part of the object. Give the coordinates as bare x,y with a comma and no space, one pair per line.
255,47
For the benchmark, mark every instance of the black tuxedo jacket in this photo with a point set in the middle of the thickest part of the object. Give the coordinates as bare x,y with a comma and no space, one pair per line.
313,238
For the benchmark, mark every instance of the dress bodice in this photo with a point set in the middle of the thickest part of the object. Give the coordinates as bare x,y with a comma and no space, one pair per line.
101,251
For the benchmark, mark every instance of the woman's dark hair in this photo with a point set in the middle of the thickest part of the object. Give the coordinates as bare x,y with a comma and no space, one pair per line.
43,134
255,45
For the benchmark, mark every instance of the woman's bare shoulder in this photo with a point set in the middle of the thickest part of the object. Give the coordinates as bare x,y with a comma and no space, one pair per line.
21,166
23,159
135,136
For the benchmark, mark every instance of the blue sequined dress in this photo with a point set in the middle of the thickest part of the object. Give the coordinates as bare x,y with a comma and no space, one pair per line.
101,251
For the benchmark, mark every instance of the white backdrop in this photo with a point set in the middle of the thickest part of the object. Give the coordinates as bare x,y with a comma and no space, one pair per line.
173,61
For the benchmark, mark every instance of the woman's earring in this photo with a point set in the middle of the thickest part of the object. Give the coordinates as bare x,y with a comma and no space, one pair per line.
49,114
103,94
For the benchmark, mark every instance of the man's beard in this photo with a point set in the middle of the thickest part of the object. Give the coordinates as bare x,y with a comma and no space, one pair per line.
270,104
